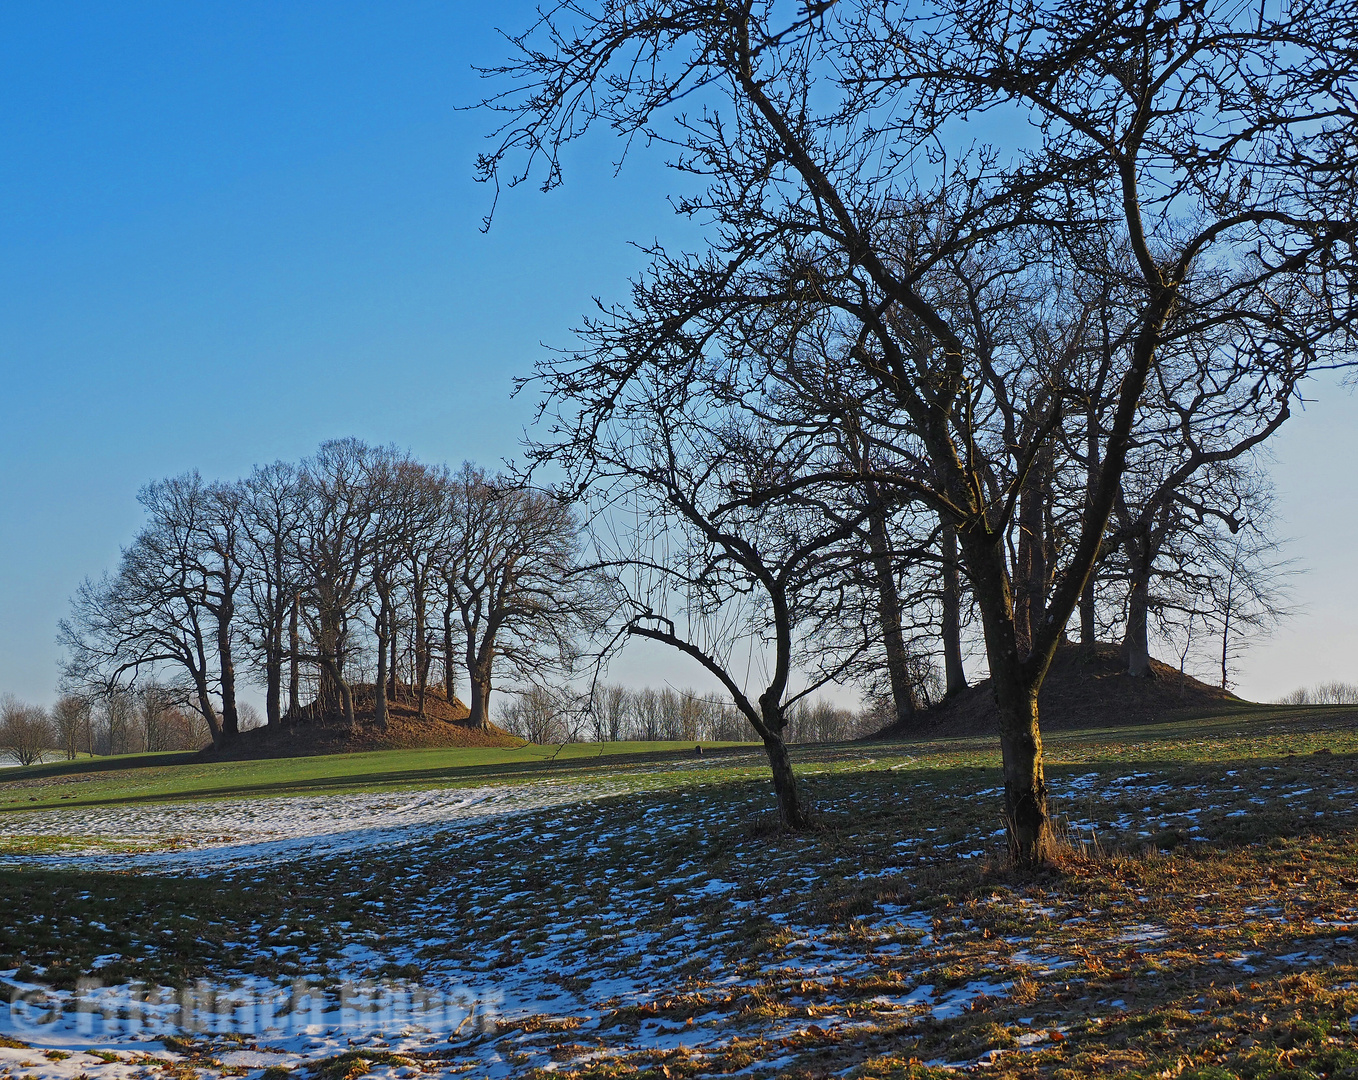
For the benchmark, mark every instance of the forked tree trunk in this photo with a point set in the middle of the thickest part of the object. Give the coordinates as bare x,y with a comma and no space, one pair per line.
341,687
791,814
1015,683
954,674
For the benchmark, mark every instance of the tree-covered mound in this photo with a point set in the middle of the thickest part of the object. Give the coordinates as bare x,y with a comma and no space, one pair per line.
1086,687
313,731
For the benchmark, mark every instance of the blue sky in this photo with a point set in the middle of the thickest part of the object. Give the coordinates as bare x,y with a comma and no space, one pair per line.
229,231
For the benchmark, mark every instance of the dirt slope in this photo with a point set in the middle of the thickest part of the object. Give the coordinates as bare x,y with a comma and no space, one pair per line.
444,724
1084,689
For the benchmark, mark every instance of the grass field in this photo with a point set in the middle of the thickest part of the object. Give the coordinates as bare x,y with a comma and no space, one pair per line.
638,915
159,778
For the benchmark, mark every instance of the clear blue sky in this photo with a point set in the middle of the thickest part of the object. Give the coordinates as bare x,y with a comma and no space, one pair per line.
229,231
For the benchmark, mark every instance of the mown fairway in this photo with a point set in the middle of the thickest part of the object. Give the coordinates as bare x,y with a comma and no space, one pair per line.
158,778
637,915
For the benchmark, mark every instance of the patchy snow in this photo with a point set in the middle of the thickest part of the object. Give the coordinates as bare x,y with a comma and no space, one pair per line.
261,831
585,919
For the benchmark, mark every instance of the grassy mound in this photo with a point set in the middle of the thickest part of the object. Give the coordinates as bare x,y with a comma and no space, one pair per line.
444,724
1085,688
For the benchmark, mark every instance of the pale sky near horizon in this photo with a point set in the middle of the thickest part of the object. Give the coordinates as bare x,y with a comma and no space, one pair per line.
230,231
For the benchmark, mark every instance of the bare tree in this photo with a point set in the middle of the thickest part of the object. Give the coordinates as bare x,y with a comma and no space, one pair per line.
146,619
677,468
331,545
1184,169
270,511
512,569
71,716
25,731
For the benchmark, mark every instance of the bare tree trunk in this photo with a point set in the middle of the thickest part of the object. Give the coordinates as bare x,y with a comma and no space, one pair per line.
329,695
889,611
479,705
214,727
342,688
791,813
380,685
1226,626
955,676
1031,574
1015,687
1025,785
1088,625
230,718
421,647
273,688
1136,652
393,668
294,674
1089,629
448,682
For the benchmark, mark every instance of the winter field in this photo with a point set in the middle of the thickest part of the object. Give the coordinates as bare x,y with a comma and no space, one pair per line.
577,914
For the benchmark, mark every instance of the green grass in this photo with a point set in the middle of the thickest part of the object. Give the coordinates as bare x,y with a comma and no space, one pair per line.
175,777
1260,731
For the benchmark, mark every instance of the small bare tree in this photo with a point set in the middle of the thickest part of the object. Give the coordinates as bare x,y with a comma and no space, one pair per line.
25,731
71,716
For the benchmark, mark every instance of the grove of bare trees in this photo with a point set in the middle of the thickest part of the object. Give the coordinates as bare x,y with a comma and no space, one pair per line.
358,565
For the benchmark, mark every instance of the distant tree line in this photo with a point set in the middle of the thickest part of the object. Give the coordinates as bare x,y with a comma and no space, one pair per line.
118,722
1326,693
358,565
616,713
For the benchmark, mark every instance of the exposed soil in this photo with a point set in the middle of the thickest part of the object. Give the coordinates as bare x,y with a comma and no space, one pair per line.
444,724
1085,688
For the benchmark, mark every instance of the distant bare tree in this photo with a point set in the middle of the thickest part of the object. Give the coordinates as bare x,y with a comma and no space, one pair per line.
71,716
512,570
1326,693
270,511
147,619
539,714
26,732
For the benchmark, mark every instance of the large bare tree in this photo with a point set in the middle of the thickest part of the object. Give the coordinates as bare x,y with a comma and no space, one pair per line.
170,606
1184,168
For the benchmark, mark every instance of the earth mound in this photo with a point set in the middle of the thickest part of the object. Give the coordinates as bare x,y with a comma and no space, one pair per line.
1085,688
444,723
